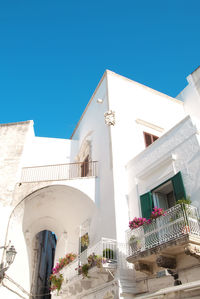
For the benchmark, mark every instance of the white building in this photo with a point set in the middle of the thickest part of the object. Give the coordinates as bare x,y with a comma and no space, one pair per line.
79,187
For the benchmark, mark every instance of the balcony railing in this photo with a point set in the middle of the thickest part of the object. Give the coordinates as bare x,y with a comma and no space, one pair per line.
59,172
106,248
177,222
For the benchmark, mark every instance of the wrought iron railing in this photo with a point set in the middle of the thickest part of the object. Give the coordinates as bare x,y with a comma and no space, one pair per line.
58,172
178,221
105,248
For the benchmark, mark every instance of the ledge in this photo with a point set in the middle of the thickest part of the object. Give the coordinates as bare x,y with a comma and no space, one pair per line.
155,165
186,287
171,248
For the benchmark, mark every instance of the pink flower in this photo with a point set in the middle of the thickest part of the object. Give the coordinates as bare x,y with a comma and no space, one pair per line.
157,212
137,222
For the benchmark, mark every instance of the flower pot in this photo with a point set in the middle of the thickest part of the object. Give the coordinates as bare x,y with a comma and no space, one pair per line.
135,245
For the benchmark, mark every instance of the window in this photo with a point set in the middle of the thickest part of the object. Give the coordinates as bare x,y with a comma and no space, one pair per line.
164,196
84,242
149,138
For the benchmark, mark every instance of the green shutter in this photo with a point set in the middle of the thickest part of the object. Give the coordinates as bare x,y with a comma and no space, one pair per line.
178,186
146,204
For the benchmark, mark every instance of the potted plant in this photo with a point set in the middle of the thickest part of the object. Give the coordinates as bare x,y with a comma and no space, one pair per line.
108,253
93,260
137,222
157,212
56,282
134,243
185,202
85,268
56,278
84,242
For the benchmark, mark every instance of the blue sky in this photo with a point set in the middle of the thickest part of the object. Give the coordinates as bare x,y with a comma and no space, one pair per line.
53,53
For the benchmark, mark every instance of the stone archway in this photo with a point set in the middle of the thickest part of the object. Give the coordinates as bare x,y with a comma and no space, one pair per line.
57,208
60,209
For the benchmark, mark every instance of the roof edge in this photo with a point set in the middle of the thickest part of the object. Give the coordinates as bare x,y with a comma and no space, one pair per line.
127,79
146,87
17,123
94,93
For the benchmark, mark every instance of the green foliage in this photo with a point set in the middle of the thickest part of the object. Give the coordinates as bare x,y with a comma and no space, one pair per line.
93,260
85,268
85,240
132,239
56,282
185,201
56,278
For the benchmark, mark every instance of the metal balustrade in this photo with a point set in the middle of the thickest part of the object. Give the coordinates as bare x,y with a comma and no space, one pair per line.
178,221
106,248
58,172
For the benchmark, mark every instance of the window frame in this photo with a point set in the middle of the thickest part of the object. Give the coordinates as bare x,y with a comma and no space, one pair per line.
178,189
152,137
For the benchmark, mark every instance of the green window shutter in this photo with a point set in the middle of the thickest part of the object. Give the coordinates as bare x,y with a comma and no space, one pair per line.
178,186
146,204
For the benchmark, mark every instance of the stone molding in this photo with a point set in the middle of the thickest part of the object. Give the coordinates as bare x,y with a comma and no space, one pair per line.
166,262
109,117
193,250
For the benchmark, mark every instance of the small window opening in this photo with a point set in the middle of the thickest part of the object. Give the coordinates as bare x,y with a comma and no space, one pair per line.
163,196
149,138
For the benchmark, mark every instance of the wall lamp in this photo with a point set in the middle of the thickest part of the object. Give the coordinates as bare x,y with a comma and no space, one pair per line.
10,256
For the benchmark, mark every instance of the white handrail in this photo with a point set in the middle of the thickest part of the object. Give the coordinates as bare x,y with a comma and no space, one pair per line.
106,248
58,172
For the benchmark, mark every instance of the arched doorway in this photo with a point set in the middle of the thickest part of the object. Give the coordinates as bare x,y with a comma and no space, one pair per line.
60,209
44,252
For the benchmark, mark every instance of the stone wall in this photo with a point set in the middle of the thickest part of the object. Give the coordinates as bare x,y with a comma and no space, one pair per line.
13,138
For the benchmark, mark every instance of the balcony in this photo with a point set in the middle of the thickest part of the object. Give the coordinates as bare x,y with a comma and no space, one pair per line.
157,244
58,172
74,284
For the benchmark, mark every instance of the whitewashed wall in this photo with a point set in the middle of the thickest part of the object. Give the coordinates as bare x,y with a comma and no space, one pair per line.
108,203
177,150
190,95
13,138
47,151
137,109
92,125
60,208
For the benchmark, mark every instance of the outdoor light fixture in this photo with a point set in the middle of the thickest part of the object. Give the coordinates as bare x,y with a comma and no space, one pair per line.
10,256
99,101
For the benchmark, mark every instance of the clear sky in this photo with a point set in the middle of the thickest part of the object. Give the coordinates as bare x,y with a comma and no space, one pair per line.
54,52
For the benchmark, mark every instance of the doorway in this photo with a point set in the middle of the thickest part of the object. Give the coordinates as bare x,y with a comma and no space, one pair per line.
44,252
